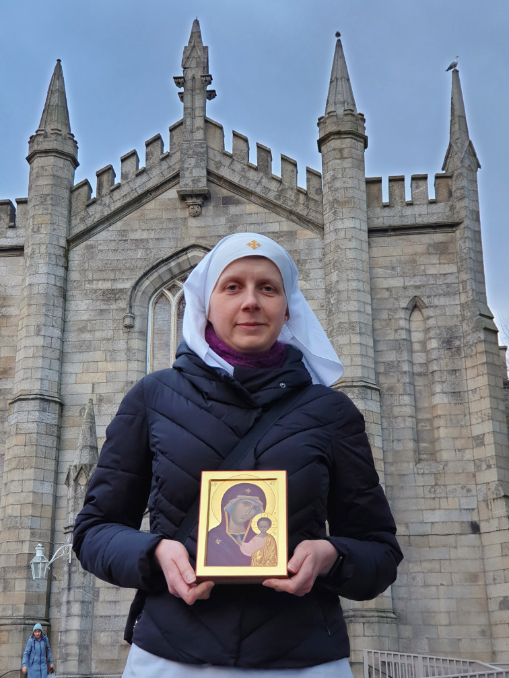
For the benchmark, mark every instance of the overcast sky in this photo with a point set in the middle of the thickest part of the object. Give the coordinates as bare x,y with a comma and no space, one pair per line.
271,61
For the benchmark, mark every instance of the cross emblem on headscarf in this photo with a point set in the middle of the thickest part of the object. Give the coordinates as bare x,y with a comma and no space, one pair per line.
248,491
253,244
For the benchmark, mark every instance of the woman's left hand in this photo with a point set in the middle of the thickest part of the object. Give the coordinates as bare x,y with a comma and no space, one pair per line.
310,559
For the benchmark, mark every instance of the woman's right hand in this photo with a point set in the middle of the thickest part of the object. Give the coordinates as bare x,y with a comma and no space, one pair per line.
24,669
173,559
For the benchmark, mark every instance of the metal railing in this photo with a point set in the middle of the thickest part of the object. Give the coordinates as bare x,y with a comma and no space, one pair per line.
495,672
379,664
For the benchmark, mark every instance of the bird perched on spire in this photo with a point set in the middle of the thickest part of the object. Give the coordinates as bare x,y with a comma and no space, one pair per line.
338,34
453,64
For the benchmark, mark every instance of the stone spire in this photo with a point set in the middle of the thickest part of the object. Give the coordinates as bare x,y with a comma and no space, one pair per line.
341,116
53,158
87,451
193,151
340,97
195,56
54,131
342,141
56,114
459,140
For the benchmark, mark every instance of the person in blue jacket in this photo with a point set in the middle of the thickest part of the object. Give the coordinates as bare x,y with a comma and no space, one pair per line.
37,658
250,340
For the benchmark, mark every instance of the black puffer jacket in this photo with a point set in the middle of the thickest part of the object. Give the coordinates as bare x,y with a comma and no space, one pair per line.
177,422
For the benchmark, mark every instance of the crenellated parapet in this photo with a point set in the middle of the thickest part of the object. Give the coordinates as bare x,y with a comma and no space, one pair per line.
114,199
196,156
418,211
7,215
105,180
12,227
257,182
129,165
241,153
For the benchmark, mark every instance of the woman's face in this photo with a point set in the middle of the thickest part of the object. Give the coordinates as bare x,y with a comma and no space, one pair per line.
37,633
243,510
248,305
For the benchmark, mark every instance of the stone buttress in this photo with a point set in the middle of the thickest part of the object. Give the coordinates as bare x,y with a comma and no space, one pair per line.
485,396
342,142
27,509
75,650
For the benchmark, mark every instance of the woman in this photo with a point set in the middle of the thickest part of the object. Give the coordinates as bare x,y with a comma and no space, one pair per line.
239,505
37,657
250,338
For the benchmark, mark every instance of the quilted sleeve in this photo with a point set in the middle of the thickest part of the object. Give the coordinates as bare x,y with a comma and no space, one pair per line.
361,525
107,537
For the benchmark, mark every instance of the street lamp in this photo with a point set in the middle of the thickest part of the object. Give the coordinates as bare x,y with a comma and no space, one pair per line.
40,564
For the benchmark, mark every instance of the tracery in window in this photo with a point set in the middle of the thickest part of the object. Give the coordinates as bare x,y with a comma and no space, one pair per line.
165,319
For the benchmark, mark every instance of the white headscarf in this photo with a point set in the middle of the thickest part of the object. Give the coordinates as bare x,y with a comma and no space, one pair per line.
302,330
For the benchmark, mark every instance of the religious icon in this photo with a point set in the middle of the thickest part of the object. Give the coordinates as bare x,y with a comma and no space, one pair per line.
242,535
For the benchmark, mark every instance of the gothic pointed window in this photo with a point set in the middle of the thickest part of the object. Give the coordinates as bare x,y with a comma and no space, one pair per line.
165,319
422,387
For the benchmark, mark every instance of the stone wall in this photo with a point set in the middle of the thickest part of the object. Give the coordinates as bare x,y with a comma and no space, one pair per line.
440,595
12,268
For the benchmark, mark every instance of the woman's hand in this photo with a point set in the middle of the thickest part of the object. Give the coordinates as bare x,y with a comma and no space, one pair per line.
173,558
24,669
310,559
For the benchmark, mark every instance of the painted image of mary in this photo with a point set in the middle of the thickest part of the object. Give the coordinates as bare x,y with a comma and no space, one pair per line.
239,505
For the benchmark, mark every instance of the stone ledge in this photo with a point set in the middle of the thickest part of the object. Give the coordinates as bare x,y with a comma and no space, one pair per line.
413,229
370,615
12,250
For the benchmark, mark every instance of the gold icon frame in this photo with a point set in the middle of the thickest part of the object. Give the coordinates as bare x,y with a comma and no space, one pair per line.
214,486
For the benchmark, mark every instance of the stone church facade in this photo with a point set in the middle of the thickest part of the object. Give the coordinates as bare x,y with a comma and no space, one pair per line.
91,291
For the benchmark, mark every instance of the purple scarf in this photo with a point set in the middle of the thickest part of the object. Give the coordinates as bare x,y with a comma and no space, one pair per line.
268,360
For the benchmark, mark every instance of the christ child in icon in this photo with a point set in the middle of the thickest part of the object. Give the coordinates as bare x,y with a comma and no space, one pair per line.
262,548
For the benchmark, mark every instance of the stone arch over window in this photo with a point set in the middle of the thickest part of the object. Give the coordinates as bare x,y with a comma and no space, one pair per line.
165,317
155,306
424,425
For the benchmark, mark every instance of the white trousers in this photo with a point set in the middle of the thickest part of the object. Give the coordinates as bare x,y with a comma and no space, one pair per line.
141,664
